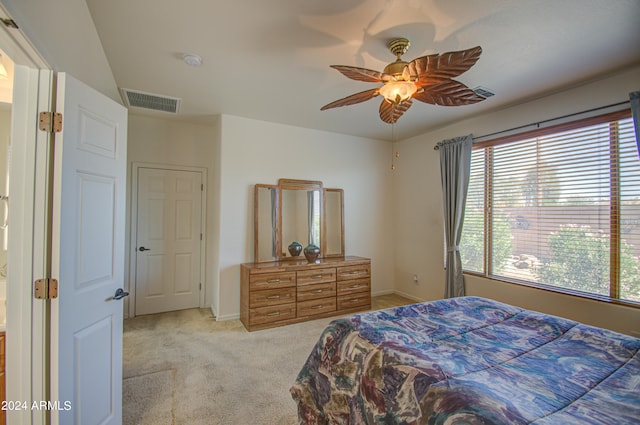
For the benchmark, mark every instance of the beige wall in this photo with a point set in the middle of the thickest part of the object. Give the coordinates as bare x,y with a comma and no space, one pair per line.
261,152
419,221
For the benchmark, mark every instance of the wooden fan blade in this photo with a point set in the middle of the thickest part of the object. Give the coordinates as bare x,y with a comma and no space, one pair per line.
449,93
353,99
434,69
361,74
391,112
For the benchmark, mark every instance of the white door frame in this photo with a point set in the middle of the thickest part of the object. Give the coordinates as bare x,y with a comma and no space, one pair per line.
27,318
133,220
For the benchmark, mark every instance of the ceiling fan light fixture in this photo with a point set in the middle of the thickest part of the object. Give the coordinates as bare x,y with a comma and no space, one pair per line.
398,91
427,79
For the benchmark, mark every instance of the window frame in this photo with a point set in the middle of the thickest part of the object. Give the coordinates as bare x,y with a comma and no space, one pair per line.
614,213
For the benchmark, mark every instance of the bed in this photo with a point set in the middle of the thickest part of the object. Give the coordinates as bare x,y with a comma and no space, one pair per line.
468,360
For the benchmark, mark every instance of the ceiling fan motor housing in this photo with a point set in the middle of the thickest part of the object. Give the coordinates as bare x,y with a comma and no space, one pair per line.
398,47
395,68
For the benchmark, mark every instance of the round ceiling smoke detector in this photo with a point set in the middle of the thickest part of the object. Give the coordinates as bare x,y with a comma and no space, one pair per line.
192,59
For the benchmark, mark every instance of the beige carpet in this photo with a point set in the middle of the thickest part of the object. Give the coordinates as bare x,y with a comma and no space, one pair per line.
150,397
183,367
186,368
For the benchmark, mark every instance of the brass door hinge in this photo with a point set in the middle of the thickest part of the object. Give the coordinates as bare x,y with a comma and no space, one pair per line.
45,289
51,122
9,23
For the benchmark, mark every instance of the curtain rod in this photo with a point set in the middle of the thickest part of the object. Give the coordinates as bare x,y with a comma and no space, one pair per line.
436,147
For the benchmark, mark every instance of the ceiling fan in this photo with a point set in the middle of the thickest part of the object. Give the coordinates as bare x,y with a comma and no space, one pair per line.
427,79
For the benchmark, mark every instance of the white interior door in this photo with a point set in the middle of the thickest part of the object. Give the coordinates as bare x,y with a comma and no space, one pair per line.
88,256
168,240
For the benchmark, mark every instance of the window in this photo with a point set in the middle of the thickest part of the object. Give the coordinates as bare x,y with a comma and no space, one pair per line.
558,207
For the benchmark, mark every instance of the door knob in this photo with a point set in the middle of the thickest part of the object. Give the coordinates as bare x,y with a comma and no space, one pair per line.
120,294
143,249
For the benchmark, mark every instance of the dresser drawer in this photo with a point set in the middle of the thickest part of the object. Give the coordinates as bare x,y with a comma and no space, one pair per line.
307,277
354,301
272,297
319,306
319,290
275,313
354,286
272,280
354,272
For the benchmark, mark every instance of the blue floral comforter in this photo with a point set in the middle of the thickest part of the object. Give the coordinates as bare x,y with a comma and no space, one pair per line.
468,360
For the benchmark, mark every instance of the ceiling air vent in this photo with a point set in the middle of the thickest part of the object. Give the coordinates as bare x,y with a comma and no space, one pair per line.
483,92
154,102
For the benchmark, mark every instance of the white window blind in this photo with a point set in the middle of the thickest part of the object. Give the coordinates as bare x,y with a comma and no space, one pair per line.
558,208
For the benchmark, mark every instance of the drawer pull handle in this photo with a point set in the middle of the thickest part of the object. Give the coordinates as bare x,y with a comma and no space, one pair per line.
274,297
317,291
316,307
354,300
354,286
356,272
273,281
316,276
275,313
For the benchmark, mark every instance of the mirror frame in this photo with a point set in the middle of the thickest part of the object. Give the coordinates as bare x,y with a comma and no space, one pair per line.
324,225
291,184
256,224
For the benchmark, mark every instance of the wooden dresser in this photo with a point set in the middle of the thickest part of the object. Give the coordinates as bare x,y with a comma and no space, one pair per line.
291,291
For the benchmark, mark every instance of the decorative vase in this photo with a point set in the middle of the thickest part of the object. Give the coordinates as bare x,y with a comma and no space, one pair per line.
311,252
295,249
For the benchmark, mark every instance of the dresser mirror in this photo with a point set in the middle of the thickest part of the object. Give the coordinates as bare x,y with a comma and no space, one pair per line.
333,237
265,223
297,211
300,213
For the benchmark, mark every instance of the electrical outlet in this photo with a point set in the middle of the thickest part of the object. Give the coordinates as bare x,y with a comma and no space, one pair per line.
415,279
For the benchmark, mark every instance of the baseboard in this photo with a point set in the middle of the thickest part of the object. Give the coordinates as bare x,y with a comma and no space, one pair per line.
385,292
411,297
402,294
225,317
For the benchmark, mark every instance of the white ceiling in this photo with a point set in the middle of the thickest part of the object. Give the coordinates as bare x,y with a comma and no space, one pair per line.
269,59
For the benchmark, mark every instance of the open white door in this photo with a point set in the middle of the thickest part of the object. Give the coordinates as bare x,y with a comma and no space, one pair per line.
88,256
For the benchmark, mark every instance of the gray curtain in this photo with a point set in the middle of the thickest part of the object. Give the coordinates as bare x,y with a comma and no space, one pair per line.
455,169
634,97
